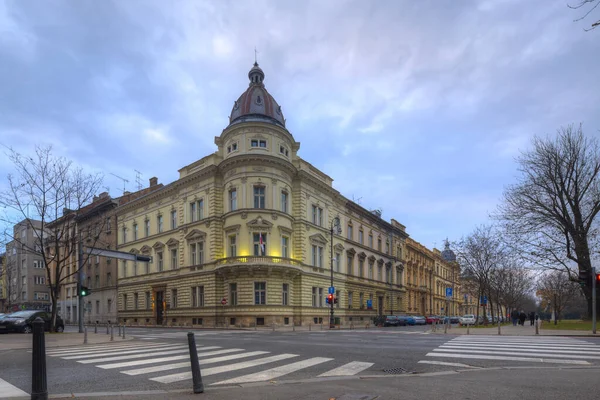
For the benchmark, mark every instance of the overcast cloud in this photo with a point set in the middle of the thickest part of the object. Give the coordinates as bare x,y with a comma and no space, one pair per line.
414,107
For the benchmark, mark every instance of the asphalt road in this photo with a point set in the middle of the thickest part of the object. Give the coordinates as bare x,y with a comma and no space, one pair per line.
155,357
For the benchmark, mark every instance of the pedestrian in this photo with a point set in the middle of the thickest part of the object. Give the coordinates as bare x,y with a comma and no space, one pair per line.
514,315
532,318
522,318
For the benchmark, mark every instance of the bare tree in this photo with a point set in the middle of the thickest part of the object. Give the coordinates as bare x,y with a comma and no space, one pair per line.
12,277
479,254
55,191
512,283
549,216
556,291
588,6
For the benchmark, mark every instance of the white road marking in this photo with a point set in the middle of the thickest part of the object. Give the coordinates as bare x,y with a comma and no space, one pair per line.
489,357
446,364
165,359
352,368
105,354
9,391
128,357
516,353
523,349
94,347
276,372
107,349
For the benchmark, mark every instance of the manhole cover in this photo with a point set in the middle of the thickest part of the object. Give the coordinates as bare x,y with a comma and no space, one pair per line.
395,371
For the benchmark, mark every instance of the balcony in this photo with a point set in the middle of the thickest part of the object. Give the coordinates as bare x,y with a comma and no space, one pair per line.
259,260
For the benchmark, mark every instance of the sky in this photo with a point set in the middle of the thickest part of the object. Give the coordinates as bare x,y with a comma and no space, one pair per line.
417,108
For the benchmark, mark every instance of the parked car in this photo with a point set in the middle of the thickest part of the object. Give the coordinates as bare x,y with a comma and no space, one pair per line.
22,321
432,319
468,319
419,320
2,315
455,319
391,320
402,320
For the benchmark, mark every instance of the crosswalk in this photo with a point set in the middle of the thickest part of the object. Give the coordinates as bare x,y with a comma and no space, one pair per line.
179,334
170,362
530,349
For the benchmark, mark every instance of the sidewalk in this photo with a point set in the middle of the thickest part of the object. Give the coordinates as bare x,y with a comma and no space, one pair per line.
11,341
510,330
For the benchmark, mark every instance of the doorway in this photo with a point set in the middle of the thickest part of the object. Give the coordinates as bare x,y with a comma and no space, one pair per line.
160,296
380,305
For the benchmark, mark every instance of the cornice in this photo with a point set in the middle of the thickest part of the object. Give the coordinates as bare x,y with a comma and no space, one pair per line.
247,159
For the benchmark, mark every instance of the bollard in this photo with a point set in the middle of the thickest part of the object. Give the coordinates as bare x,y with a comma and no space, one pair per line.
112,337
196,376
537,329
445,329
123,331
119,330
39,389
468,325
107,329
96,327
499,332
85,334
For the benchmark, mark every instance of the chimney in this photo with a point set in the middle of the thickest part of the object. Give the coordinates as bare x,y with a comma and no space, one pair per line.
103,195
95,199
153,181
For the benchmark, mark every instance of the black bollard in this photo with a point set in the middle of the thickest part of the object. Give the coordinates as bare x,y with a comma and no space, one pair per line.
96,327
107,329
119,330
112,336
123,331
39,388
196,376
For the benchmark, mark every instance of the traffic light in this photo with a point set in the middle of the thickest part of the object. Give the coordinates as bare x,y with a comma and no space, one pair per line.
84,291
335,300
597,277
583,278
329,299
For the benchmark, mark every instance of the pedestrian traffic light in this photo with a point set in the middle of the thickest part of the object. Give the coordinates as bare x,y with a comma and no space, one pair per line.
335,300
583,278
329,299
84,291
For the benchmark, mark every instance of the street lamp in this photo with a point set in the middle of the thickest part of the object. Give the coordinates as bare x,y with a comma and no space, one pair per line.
335,225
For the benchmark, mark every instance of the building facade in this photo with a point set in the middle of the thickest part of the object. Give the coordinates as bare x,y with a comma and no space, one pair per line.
25,273
2,282
249,235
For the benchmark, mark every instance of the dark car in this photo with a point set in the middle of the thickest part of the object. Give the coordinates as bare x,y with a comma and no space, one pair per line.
22,321
402,320
391,320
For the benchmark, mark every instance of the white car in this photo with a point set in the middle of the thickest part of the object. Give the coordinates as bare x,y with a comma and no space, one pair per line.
468,319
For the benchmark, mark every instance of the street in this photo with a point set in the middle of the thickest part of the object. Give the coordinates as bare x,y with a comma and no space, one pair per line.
158,359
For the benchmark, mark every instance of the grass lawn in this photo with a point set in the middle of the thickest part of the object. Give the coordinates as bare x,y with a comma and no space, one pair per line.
569,325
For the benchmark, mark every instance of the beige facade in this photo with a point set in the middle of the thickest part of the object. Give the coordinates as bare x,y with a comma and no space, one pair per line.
244,237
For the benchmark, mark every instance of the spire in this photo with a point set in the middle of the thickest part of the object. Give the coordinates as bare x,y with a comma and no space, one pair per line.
256,74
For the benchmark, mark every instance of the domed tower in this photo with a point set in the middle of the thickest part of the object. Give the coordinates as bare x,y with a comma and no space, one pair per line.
448,255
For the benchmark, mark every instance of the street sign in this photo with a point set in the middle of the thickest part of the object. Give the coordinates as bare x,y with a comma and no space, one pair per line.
331,290
224,301
369,304
448,292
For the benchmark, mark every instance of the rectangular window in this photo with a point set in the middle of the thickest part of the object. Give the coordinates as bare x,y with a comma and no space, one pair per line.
233,294
147,227
108,279
370,270
260,243
259,197
173,298
159,260
321,301
379,273
317,215
349,299
124,268
124,234
148,301
338,261
232,246
197,253
370,240
314,296
361,299
360,236
108,226
284,202
97,306
198,296
97,281
173,219
258,143
173,258
147,268
159,222
284,246
125,302
361,268
39,280
350,264
260,293
285,294
109,305
197,210
135,232
317,256
350,232
135,301
387,247
379,244
232,200
200,209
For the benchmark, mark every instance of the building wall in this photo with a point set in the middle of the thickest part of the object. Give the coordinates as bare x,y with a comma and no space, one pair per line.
304,221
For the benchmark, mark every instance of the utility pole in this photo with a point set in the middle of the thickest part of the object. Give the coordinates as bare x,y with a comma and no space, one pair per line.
80,283
594,278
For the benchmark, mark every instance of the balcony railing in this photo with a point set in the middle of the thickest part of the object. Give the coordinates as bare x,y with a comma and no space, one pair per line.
258,260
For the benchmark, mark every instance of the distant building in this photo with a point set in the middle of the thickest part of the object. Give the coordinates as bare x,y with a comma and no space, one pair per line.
2,282
25,273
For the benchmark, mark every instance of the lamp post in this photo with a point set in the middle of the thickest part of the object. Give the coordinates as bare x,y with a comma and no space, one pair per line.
335,225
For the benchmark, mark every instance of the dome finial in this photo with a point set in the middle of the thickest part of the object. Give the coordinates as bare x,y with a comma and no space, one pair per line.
255,57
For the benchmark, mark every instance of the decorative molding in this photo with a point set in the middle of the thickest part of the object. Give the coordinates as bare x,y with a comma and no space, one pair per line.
172,242
244,179
273,181
195,234
317,238
146,249
244,215
207,224
338,247
259,224
274,216
285,230
158,245
232,228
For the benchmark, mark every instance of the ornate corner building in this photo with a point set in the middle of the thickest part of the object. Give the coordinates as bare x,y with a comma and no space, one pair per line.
246,237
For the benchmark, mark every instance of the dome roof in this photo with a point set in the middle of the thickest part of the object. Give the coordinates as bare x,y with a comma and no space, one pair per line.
256,104
448,254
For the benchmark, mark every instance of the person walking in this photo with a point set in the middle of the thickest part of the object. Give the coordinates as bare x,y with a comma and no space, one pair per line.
522,318
514,315
531,318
